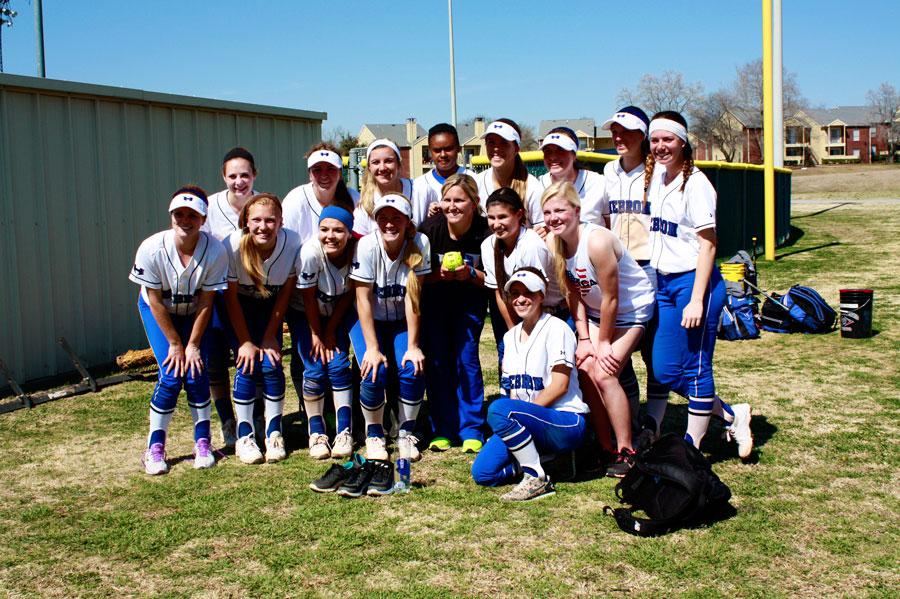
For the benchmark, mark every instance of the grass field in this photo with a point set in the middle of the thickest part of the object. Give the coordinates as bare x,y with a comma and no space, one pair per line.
847,182
817,507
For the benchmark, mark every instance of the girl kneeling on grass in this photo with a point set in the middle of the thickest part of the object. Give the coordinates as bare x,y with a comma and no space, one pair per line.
321,330
179,271
611,298
261,277
541,409
388,267
690,291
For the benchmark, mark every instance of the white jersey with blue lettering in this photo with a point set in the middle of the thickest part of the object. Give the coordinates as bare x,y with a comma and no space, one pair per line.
371,264
530,250
427,189
528,365
316,270
276,269
158,266
301,209
675,218
590,187
623,203
636,295
363,223
532,199
221,219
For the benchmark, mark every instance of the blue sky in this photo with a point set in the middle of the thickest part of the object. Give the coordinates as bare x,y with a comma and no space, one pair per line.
377,62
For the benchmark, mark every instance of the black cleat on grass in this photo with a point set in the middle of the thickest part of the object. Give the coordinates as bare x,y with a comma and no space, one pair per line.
358,483
336,475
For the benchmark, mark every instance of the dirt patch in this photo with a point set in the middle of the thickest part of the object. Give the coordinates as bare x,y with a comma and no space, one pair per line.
847,181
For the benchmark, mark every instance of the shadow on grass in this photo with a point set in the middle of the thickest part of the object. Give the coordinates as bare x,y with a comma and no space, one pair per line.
824,210
809,249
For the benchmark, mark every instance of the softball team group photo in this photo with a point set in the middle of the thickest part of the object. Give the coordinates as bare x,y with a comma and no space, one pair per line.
386,293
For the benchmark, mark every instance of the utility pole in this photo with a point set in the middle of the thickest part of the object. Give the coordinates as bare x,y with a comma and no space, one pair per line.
452,66
768,132
39,37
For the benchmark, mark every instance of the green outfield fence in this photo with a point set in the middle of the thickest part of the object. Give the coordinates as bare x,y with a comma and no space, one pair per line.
740,211
87,173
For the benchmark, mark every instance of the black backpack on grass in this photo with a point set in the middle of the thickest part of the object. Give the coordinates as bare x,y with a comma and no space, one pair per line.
674,485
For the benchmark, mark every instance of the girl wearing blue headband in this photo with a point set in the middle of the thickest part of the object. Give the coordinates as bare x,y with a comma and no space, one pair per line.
321,327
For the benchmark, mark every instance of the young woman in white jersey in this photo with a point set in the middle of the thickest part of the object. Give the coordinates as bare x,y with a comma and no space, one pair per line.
179,270
239,174
690,290
627,214
382,177
262,269
512,246
540,409
501,139
614,302
560,147
388,269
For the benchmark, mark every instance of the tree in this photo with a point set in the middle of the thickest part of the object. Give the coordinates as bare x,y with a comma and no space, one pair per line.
529,138
711,122
667,92
885,103
747,90
342,139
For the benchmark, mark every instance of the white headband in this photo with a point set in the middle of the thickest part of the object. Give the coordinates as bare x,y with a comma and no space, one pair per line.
559,139
504,130
378,143
627,120
393,200
188,200
531,281
670,126
324,156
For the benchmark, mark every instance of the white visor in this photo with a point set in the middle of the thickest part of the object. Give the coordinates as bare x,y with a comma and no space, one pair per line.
627,120
394,200
188,200
670,126
324,156
531,281
559,139
503,130
383,143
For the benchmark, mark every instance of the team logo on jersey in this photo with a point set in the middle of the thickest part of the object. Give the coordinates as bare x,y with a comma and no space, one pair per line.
307,275
629,207
582,280
663,226
354,266
522,381
390,291
137,270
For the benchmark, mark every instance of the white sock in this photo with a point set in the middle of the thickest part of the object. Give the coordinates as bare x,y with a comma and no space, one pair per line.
699,411
201,414
528,457
408,413
159,422
723,410
343,399
244,414
274,408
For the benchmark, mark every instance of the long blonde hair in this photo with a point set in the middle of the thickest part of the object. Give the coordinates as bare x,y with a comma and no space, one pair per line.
566,191
369,185
251,256
412,258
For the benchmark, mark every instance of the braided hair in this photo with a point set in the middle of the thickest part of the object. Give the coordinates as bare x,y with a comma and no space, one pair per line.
687,153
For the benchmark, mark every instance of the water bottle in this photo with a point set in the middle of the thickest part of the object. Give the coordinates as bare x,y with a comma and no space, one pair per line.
403,470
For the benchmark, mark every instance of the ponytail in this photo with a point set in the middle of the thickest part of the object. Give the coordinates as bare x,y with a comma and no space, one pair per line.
412,258
250,253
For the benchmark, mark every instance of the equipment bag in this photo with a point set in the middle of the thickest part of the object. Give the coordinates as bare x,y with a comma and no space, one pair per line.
800,310
738,319
748,284
674,485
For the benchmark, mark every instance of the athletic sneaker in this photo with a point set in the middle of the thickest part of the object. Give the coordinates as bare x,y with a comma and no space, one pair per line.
411,450
739,431
472,446
343,446
622,464
336,475
531,487
154,460
358,482
203,454
375,448
229,433
318,446
439,444
382,481
275,448
247,450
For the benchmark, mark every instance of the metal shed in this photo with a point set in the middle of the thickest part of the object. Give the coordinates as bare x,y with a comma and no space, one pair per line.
87,171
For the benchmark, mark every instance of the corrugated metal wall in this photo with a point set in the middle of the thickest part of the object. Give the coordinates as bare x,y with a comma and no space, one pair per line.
86,176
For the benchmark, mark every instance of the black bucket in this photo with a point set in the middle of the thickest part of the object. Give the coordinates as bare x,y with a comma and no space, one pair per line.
856,313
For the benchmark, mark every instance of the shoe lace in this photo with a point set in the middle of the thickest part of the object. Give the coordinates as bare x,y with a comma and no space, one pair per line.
203,448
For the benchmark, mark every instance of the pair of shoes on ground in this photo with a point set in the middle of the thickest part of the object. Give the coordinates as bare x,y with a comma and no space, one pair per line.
530,488
443,444
376,448
154,459
320,449
248,451
739,430
356,478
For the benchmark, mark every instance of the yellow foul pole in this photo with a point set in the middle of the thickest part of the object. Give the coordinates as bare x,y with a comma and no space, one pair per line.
768,131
